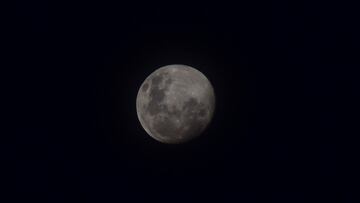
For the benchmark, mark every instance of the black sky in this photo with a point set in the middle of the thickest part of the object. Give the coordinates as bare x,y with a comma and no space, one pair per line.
286,83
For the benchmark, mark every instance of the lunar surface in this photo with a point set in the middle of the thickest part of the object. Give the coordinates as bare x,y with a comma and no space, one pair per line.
175,104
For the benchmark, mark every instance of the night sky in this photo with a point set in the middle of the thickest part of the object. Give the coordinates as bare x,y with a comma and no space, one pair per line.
286,83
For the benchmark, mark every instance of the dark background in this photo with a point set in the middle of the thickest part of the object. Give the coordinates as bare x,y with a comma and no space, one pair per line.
286,86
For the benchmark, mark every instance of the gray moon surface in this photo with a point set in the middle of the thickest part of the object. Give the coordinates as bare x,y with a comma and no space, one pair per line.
175,104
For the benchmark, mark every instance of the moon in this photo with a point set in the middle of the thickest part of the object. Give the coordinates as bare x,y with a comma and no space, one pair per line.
175,104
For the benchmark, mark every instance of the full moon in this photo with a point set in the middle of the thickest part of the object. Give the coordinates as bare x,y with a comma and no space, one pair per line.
175,104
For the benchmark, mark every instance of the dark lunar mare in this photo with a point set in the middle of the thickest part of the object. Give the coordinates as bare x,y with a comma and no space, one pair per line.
157,95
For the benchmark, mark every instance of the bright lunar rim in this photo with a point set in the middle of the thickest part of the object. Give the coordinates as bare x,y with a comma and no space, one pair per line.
175,104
